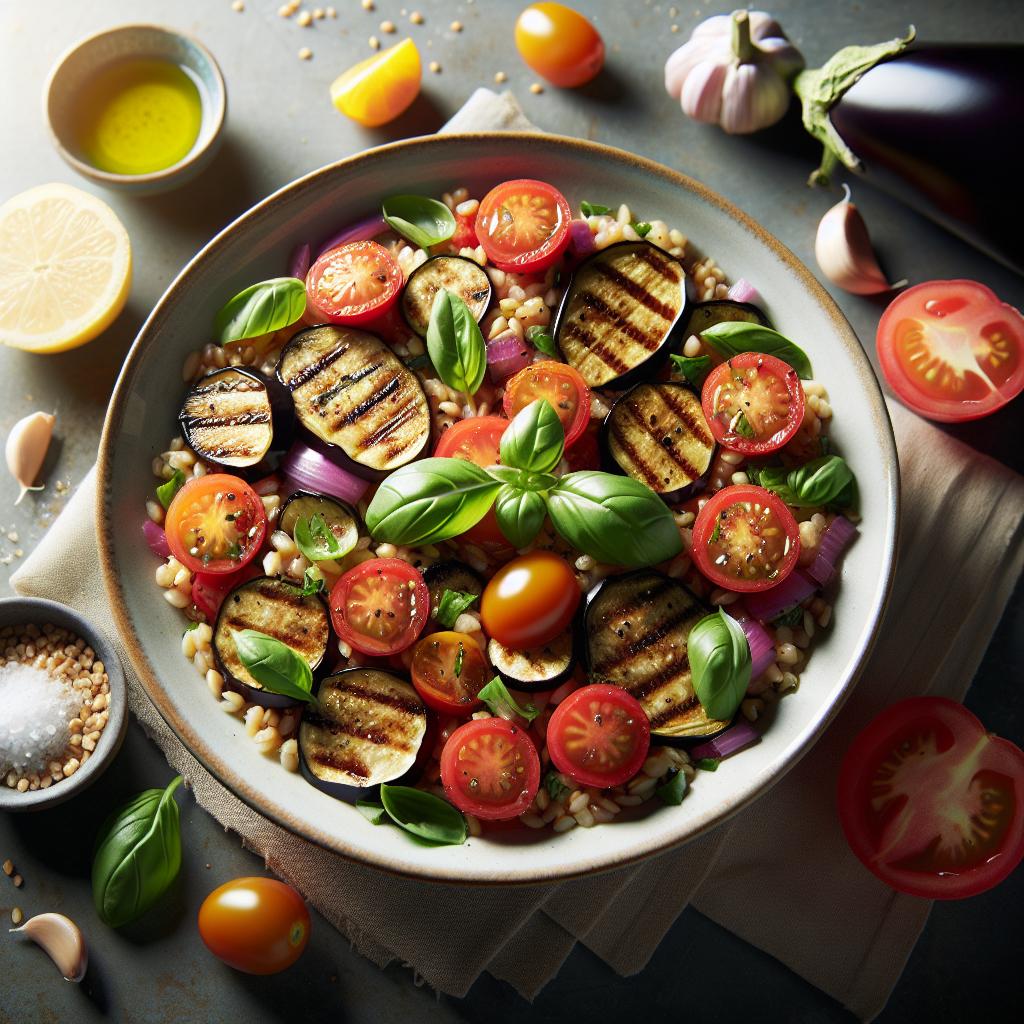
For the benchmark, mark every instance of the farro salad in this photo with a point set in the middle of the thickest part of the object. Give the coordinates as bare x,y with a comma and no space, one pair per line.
492,513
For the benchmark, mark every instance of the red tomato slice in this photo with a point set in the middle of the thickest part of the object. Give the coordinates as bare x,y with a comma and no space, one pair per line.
523,225
465,234
490,769
561,385
931,802
599,736
215,524
380,607
754,403
585,453
449,670
353,284
745,539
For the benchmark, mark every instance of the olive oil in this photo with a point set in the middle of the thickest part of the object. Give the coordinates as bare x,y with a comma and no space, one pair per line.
138,116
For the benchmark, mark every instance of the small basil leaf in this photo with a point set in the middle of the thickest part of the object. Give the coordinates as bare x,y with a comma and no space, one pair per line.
452,604
373,812
166,491
138,855
424,815
593,209
822,481
535,439
315,539
614,519
541,339
741,425
430,501
708,764
311,584
555,786
190,627
731,337
274,665
260,309
455,344
508,475
496,696
424,222
693,369
773,478
720,663
672,791
642,228
520,514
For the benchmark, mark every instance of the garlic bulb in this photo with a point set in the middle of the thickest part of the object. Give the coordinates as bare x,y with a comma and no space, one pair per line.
63,941
27,444
843,251
734,71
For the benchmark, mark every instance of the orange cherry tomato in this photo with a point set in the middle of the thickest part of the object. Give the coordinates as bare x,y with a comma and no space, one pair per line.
449,670
561,385
559,44
256,925
530,600
381,87
523,225
353,284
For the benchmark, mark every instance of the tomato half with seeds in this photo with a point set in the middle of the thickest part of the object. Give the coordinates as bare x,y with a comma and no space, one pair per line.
745,539
490,769
951,350
215,524
380,607
561,385
448,670
754,403
523,225
931,802
353,284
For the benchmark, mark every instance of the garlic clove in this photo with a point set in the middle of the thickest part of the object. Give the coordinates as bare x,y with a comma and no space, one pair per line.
843,250
27,444
62,939
701,98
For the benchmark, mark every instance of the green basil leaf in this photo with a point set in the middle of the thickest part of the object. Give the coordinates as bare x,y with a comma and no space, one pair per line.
555,786
373,812
642,228
741,425
709,764
535,439
166,491
496,696
792,617
693,369
424,222
190,627
822,481
520,514
774,479
720,663
315,539
541,339
424,815
508,475
731,337
460,655
430,501
455,344
671,792
138,855
311,584
614,519
260,309
593,209
452,604
274,665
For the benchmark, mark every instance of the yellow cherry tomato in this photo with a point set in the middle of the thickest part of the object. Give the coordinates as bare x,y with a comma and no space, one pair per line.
380,88
559,44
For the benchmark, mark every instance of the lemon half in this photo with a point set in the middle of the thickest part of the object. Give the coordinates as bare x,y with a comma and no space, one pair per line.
65,268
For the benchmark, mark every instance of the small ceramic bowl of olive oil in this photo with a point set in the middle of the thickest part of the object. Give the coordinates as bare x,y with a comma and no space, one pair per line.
137,108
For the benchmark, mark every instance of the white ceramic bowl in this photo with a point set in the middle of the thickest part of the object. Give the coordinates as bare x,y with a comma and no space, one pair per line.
142,418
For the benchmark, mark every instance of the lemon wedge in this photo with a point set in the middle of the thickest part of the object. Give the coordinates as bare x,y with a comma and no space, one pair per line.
65,268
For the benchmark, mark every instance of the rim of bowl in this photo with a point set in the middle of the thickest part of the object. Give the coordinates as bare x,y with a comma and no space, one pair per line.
216,102
756,785
39,611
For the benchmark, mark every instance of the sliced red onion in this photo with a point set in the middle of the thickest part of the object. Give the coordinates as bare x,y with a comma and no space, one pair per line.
743,291
298,263
581,238
309,470
835,540
156,538
766,604
762,647
507,354
725,744
361,232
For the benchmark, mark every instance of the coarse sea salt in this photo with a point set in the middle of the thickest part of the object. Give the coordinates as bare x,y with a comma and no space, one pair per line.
35,714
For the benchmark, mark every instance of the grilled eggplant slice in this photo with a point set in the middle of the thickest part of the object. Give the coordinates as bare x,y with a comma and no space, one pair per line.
341,519
236,418
367,728
657,434
456,274
536,669
451,575
636,626
280,610
623,307
706,314
353,392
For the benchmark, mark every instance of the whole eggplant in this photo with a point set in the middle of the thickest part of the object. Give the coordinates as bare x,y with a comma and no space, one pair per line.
936,125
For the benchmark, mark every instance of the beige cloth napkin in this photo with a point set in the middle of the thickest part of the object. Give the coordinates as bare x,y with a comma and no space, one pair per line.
780,875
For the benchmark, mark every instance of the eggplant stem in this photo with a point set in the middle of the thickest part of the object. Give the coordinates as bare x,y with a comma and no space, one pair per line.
743,49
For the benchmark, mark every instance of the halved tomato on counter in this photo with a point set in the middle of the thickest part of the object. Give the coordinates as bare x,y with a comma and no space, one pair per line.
523,225
449,670
561,385
353,284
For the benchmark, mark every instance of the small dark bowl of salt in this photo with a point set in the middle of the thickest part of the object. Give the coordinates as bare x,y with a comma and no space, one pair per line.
63,703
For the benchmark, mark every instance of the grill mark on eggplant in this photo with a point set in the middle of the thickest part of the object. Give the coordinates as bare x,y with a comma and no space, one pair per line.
659,263
595,346
348,764
654,635
664,717
349,728
637,463
396,420
638,292
678,458
309,372
644,596
695,426
608,315
344,384
359,411
245,419
392,700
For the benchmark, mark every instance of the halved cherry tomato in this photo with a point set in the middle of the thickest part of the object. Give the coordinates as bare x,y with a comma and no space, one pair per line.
754,403
490,769
380,607
378,89
465,234
745,539
523,225
559,44
561,385
477,440
353,284
951,350
449,670
215,524
256,925
931,802
599,736
530,600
